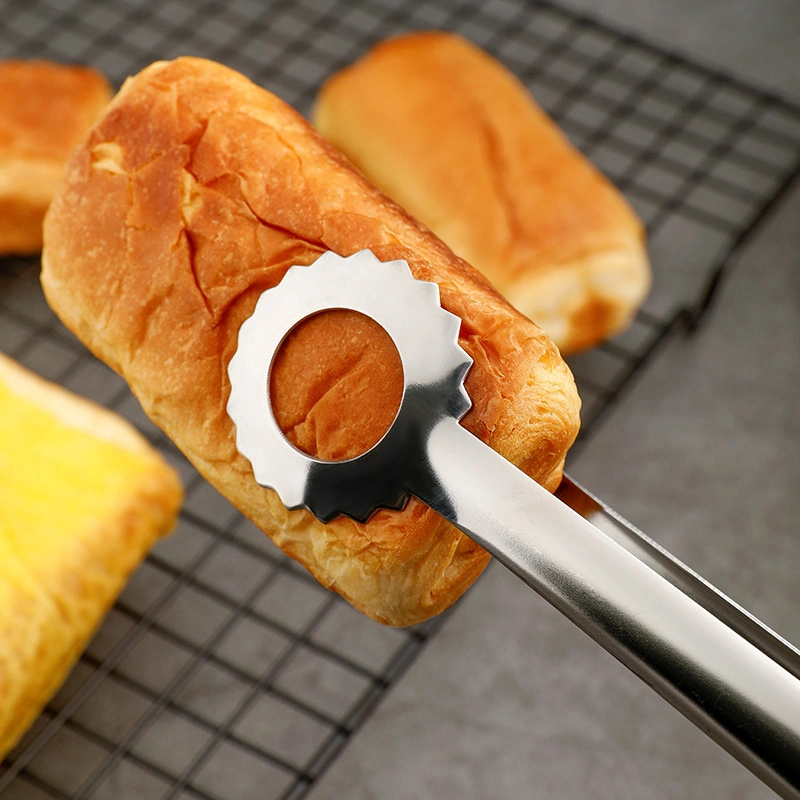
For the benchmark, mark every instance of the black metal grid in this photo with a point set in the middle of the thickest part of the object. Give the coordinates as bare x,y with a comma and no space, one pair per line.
224,671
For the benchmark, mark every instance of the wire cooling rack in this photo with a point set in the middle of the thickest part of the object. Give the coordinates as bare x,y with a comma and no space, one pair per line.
224,671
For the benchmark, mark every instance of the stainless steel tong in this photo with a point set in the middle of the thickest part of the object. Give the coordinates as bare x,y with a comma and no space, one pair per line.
718,665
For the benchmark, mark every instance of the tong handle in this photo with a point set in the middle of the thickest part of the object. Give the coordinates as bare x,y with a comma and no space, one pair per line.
704,667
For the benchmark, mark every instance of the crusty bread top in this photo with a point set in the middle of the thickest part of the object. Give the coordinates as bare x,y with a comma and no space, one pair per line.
457,140
193,195
45,108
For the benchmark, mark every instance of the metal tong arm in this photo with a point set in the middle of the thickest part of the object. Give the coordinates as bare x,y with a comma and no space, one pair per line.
700,662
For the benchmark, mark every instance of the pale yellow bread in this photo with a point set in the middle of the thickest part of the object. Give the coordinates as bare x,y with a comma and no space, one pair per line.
193,195
45,110
455,138
82,499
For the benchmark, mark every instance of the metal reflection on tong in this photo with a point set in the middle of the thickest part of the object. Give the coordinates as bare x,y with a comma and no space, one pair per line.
724,670
434,367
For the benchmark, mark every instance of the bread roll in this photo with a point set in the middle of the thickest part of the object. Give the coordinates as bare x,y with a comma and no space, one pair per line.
453,137
192,196
82,498
45,109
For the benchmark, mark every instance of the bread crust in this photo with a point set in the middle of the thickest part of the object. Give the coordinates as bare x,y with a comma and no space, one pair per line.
45,110
193,195
57,580
456,139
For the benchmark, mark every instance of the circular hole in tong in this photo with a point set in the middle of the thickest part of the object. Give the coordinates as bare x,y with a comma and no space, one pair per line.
336,384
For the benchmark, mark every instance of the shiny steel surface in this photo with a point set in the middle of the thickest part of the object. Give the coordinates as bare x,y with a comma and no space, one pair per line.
714,662
433,368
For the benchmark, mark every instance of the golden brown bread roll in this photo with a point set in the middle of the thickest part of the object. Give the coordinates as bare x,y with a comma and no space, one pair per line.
192,196
82,499
455,139
45,109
